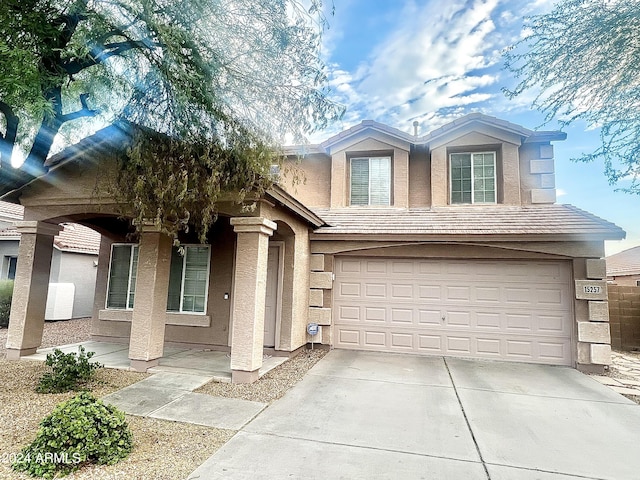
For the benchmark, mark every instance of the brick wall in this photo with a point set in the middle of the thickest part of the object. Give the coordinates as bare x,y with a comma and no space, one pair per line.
624,316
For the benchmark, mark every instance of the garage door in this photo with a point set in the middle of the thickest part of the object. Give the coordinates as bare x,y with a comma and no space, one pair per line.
510,310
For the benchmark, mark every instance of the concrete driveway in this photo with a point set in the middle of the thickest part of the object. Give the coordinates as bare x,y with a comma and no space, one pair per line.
374,415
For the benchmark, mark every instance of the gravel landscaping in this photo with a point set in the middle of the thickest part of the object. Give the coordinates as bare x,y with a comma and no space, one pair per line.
162,450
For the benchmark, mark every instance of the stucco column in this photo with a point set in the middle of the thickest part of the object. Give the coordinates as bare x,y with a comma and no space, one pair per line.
250,287
150,303
31,284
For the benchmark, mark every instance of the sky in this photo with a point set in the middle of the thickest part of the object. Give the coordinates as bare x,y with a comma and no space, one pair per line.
397,61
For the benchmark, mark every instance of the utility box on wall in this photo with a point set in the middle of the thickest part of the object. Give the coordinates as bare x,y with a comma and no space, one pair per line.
60,301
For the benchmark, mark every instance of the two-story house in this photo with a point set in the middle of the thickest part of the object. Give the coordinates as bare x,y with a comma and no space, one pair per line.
448,243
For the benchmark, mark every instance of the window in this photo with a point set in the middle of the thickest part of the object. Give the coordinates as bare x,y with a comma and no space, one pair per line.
637,283
122,276
371,181
188,279
10,264
473,177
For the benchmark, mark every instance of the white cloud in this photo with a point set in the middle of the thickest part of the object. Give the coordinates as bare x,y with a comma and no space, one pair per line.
439,59
560,192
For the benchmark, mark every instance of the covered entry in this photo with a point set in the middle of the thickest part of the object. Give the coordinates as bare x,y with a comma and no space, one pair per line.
518,310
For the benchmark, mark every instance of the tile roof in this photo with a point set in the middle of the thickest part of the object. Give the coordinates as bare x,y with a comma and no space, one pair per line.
626,262
11,211
470,220
73,238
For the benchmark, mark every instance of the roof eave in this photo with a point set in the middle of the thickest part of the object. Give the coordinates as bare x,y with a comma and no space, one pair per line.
277,193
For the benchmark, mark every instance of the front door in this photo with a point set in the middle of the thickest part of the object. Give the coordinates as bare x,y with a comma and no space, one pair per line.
271,300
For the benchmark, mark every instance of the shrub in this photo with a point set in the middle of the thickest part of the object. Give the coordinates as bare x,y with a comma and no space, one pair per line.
67,372
79,431
6,293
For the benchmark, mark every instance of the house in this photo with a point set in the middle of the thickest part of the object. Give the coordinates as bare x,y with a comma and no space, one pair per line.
623,268
73,269
449,243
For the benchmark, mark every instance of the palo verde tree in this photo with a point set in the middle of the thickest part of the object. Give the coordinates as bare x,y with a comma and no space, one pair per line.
582,60
210,85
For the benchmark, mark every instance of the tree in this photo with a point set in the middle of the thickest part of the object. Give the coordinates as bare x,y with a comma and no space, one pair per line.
582,60
213,86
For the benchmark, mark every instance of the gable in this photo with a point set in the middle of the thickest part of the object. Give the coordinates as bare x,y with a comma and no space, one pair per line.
369,139
475,133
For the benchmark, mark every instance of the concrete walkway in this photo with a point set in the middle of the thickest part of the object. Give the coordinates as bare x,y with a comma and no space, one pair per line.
211,363
169,396
366,415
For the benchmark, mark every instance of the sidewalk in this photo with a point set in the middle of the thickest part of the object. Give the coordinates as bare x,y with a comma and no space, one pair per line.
169,396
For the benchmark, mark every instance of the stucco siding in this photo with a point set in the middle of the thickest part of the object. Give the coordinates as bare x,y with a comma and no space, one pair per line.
419,184
314,175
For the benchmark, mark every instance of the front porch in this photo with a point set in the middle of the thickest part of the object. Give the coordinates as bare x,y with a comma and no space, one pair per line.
209,363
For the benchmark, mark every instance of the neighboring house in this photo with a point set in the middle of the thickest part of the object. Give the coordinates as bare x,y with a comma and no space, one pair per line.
72,278
444,244
623,268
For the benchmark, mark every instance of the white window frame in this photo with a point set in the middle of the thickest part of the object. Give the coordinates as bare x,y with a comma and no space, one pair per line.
495,178
206,286
106,300
369,204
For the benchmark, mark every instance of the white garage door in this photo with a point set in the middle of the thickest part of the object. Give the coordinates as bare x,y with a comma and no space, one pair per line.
510,310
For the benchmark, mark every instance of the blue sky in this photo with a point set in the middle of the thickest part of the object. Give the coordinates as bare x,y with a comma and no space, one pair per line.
396,61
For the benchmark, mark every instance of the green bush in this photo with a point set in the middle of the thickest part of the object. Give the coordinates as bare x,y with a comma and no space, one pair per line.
67,372
6,292
79,431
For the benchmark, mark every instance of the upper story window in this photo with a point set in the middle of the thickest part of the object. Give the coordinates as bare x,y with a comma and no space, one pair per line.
188,278
473,177
371,181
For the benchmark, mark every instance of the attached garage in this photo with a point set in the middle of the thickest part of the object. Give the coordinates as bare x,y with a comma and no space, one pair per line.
516,310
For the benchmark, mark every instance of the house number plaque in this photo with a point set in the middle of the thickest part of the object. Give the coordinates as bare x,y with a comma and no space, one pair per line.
591,289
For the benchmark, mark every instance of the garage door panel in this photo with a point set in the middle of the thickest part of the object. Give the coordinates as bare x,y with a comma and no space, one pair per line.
375,338
429,317
514,310
375,314
429,292
401,291
402,315
376,267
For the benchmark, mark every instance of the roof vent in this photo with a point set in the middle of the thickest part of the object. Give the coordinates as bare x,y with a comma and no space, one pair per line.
415,128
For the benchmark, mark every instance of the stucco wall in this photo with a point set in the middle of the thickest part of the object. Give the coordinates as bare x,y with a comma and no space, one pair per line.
314,175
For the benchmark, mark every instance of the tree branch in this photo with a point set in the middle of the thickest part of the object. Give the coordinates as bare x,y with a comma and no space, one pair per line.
8,140
85,111
105,52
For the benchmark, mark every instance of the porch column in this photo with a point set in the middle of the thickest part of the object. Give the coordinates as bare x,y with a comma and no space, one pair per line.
146,343
31,284
249,290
